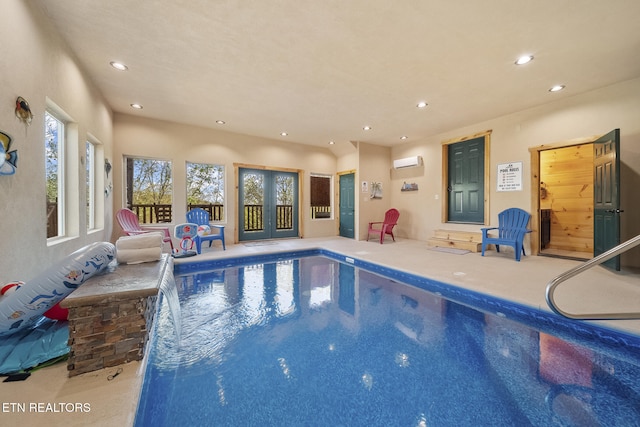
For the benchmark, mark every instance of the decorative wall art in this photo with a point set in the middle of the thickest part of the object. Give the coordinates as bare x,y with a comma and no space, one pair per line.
376,190
107,170
409,186
8,158
23,111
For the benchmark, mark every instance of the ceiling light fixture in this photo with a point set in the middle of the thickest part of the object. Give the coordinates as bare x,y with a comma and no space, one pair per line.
331,143
404,137
367,128
556,88
136,106
220,122
118,66
421,104
283,134
524,59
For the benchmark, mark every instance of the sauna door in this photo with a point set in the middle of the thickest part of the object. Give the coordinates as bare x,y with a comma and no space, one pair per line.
606,203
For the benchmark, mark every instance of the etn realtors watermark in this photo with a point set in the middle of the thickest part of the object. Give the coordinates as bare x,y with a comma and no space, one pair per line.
45,407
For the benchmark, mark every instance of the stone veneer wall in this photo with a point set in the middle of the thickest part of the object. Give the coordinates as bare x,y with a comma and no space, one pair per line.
109,333
111,314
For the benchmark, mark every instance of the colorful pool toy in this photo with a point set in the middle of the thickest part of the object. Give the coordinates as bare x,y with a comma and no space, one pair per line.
24,304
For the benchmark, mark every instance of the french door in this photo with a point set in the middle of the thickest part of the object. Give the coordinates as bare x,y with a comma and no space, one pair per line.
267,204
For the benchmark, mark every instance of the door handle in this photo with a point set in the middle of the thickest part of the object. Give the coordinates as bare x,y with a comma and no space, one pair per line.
615,210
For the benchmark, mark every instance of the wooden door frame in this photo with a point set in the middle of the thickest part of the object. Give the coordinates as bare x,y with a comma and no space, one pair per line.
535,183
445,172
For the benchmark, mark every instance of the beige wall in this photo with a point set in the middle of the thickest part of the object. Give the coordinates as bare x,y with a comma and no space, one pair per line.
36,64
593,113
136,136
373,167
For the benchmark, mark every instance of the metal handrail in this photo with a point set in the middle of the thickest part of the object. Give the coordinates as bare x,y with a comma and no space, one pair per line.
551,286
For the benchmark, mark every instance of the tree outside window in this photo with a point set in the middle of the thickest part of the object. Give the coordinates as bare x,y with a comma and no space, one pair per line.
90,177
205,189
54,174
149,189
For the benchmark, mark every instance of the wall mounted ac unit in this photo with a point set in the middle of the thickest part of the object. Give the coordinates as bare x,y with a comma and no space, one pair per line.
408,162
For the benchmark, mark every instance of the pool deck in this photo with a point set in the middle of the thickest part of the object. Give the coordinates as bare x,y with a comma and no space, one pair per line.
113,401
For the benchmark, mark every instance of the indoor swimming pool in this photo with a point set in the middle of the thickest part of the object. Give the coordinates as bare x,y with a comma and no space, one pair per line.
316,339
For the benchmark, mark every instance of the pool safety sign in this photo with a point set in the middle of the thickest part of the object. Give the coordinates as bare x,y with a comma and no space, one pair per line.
510,176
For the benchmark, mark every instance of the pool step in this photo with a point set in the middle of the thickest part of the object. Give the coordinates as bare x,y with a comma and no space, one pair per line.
469,240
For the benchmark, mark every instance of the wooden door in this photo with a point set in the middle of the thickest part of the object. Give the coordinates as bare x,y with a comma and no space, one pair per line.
606,194
347,205
466,181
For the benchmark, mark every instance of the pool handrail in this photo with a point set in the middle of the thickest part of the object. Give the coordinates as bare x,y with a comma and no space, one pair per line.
551,286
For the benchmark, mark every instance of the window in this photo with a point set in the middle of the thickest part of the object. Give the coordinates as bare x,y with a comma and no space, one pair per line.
90,177
54,173
321,196
205,189
149,189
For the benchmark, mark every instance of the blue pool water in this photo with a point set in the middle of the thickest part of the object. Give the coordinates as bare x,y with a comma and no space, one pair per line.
315,341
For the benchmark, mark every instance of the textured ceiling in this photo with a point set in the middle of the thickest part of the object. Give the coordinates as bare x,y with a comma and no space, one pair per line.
322,69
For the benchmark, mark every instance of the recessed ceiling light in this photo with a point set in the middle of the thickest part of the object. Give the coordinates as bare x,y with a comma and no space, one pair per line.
331,142
220,122
118,66
367,128
404,137
283,134
421,104
524,59
136,106
556,88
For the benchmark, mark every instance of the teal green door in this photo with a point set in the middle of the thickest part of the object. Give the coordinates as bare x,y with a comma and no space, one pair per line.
267,204
347,205
606,195
466,181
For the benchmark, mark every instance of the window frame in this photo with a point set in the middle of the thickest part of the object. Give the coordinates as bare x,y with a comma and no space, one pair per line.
60,170
314,213
149,211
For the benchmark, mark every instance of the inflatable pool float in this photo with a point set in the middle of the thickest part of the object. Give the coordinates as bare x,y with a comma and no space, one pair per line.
25,306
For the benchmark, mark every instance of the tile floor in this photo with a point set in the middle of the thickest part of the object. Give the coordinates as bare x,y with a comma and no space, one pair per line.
50,398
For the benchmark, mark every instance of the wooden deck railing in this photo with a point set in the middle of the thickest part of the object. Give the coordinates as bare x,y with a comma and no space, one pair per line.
157,213
254,217
152,213
216,212
320,212
52,219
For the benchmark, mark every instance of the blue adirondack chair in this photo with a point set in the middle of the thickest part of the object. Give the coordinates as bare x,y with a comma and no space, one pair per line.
201,217
512,227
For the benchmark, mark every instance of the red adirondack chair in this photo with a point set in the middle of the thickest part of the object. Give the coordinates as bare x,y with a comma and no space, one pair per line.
130,225
386,226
